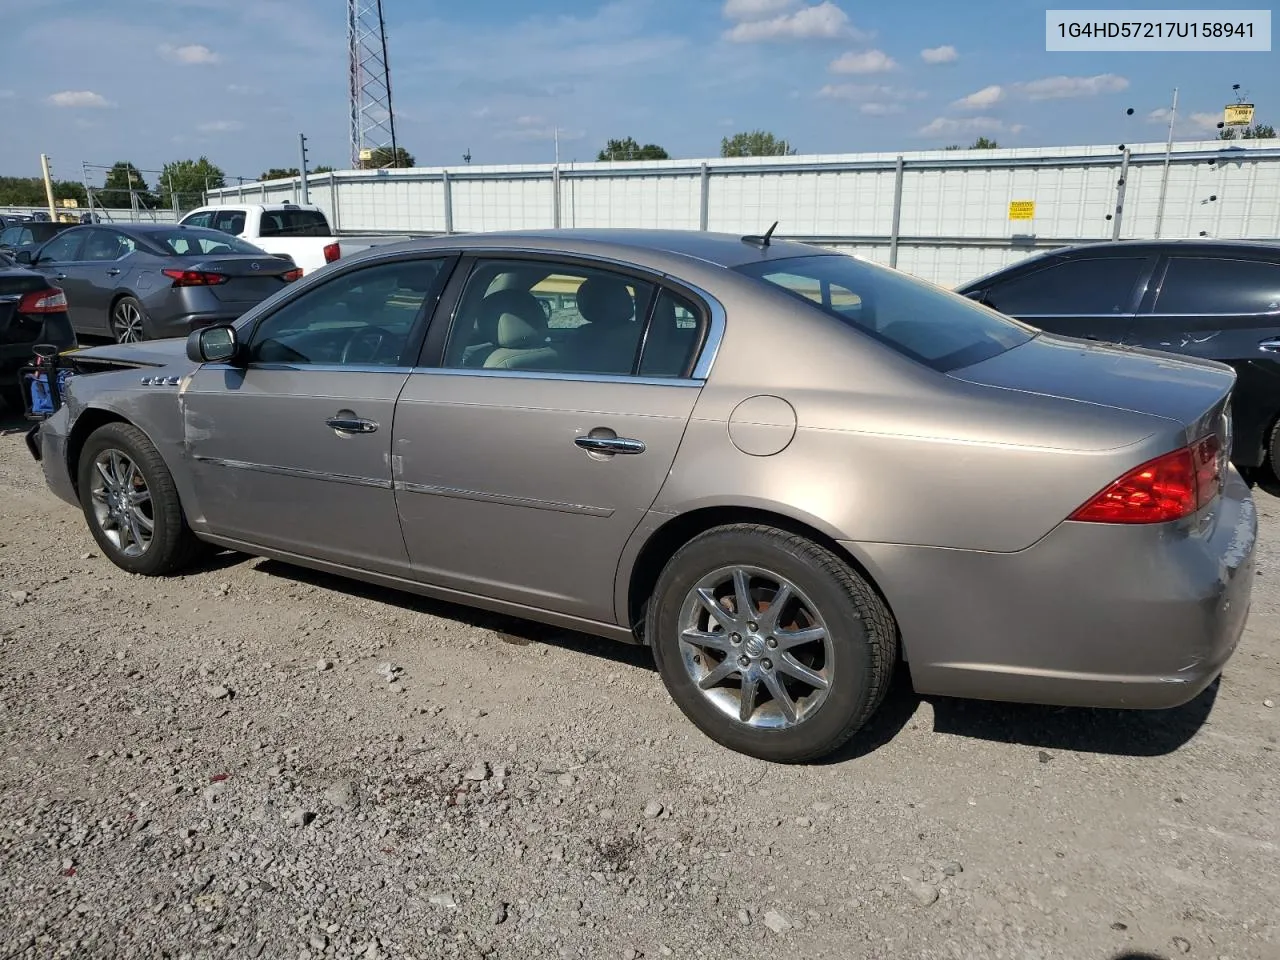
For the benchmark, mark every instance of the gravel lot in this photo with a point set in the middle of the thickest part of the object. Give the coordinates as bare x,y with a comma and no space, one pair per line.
258,761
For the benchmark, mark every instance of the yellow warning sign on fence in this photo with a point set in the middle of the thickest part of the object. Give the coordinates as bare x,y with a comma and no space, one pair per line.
1022,209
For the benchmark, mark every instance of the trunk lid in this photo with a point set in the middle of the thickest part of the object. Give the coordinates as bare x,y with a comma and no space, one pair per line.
1189,391
251,278
14,327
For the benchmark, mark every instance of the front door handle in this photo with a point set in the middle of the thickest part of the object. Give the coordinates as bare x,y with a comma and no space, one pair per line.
610,444
113,272
352,424
59,276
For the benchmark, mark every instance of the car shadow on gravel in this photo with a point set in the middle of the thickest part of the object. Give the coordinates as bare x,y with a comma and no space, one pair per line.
512,630
12,421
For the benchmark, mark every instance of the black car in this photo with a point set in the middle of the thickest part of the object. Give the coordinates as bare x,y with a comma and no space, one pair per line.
31,311
1215,299
29,235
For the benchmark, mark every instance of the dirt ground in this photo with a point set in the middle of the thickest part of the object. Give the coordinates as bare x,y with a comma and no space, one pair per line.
258,761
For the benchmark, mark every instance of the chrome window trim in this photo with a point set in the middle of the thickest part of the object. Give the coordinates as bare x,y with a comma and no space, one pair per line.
1257,313
552,375
1072,316
308,367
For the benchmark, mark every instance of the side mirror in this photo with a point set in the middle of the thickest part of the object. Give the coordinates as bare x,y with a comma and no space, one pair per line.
24,256
213,345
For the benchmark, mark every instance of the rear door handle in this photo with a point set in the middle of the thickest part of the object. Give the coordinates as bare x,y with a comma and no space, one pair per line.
610,444
1270,346
113,273
352,425
59,276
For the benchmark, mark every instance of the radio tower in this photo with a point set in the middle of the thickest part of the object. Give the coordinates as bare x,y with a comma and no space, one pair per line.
373,124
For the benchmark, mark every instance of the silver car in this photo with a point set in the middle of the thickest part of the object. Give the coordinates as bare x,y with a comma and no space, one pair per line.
781,468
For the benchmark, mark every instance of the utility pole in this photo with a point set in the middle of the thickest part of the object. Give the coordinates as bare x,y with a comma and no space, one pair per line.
48,187
1164,177
302,168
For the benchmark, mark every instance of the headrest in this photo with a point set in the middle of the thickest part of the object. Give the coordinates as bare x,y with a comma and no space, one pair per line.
605,301
516,333
517,304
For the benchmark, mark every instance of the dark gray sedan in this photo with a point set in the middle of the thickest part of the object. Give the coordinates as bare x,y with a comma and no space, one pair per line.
143,281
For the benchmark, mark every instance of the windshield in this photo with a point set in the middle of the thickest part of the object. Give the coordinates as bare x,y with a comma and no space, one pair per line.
293,223
926,323
197,241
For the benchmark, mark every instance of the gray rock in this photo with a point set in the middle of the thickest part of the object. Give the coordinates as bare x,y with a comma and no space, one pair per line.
923,893
323,665
775,921
803,822
479,772
1182,944
652,810
952,868
499,915
19,596
341,795
744,917
217,692
445,900
566,780
300,817
1268,703
630,953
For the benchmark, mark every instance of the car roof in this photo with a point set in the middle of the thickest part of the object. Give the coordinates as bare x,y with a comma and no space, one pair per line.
719,249
1197,246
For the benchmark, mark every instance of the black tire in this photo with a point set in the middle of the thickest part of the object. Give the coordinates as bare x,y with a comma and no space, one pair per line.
124,327
862,632
172,545
1270,469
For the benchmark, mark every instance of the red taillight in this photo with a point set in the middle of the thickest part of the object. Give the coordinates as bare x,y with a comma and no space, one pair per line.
195,278
43,301
1167,488
332,252
292,275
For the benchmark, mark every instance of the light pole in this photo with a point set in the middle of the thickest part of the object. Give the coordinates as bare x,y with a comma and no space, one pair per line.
1164,176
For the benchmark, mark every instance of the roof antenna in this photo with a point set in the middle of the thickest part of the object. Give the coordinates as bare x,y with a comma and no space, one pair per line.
761,242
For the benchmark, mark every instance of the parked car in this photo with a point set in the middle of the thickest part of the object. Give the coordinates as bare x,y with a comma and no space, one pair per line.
141,281
31,311
288,229
778,466
1213,299
28,236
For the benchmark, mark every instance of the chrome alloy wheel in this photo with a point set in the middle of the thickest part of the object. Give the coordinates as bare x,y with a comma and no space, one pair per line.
122,503
127,322
756,647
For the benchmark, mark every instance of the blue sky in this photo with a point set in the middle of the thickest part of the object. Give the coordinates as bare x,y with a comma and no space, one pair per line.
157,80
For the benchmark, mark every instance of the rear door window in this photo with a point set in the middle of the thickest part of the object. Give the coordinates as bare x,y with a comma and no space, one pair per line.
229,221
1097,286
204,219
920,320
293,223
1211,285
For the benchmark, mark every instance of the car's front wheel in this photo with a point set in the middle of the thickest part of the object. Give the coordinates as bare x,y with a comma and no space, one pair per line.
131,504
128,321
770,643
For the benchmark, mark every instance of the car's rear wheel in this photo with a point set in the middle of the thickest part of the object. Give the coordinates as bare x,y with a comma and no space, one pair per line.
770,643
128,321
131,504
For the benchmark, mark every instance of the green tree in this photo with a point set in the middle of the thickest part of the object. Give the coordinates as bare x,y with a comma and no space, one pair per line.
122,179
188,180
1259,131
29,192
278,173
755,143
628,149
383,157
982,143
323,169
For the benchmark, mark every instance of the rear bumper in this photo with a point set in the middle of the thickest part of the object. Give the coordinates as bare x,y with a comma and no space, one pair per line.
1092,615
47,443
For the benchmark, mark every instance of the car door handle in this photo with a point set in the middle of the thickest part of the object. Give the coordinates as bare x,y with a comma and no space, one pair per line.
610,444
59,276
352,425
1270,346
113,273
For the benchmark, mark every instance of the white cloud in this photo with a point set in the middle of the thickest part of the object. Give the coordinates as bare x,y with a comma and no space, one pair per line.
1061,88
869,61
824,21
191,53
1159,115
78,98
981,99
943,54
868,91
1201,121
220,126
880,109
968,125
755,9
481,112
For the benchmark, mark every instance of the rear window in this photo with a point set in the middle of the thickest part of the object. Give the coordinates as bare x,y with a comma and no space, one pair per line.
293,223
926,323
197,241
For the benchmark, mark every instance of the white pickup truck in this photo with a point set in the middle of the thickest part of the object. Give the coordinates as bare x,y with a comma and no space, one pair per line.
297,231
